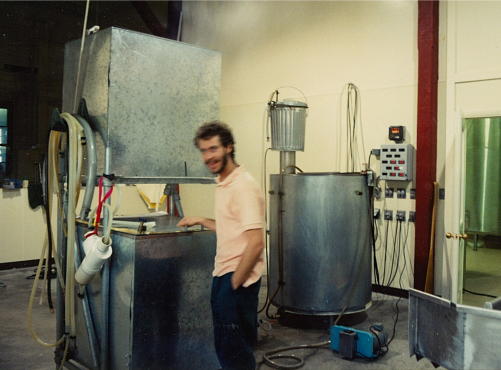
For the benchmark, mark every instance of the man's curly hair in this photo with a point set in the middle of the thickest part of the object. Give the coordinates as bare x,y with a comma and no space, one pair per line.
216,128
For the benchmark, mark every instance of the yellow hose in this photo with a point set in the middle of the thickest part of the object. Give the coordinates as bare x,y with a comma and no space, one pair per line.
30,305
53,141
65,354
75,132
53,181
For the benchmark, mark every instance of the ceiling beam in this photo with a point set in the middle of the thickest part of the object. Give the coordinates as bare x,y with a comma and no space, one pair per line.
149,18
174,9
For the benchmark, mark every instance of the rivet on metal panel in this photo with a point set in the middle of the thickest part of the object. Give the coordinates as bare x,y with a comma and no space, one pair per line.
141,228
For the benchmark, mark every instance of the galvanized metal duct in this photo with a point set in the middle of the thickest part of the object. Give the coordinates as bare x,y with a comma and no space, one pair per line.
146,95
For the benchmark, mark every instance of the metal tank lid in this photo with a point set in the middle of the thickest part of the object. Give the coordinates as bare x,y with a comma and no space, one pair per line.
290,103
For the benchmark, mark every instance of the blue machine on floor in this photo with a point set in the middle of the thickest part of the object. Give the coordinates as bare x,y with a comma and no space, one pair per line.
352,343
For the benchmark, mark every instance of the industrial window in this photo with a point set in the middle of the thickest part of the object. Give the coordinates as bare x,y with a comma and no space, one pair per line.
3,141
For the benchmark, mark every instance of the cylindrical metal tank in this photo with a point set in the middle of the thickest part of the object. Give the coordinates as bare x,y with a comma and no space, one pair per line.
325,242
288,120
482,178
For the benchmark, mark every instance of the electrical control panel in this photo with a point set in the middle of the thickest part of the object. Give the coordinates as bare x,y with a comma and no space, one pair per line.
396,162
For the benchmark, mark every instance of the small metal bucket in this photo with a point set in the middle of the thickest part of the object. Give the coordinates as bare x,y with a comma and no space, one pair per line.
288,120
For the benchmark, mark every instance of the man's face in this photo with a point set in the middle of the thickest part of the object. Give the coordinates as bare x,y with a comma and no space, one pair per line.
214,154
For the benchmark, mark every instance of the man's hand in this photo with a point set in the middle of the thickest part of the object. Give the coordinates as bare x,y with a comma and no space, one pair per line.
192,221
249,258
189,221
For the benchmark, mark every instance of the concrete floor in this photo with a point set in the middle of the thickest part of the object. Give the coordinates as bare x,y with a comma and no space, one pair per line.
482,273
316,330
19,351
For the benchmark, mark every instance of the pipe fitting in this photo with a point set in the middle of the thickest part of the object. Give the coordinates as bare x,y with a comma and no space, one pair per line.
97,251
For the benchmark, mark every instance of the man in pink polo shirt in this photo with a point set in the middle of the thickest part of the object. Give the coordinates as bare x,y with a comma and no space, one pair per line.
239,263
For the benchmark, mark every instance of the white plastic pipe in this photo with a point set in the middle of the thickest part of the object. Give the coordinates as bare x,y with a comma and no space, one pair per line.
96,253
133,224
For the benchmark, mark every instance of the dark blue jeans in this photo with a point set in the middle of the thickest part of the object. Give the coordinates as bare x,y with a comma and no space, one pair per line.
234,315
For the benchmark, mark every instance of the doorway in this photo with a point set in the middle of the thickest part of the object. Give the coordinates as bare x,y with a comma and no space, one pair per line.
482,218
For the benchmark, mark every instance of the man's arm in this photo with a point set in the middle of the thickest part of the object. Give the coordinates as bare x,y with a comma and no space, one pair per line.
249,258
208,223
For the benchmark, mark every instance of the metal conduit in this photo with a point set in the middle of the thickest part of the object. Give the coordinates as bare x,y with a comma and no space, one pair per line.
91,167
89,324
106,272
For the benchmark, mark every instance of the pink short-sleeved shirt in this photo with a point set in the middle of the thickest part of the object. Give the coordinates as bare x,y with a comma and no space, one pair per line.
239,206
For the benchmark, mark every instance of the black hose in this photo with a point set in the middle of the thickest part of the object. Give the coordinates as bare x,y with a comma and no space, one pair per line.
50,261
269,356
481,294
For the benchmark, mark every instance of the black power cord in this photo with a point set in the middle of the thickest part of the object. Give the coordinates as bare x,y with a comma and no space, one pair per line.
481,294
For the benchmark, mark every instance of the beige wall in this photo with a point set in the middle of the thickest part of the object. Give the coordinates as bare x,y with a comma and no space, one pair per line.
23,229
318,48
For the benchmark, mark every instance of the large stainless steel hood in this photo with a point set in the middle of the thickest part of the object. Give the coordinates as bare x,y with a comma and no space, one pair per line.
453,336
146,96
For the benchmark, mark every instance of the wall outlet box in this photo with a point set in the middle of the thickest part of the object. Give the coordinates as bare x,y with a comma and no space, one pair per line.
412,216
388,192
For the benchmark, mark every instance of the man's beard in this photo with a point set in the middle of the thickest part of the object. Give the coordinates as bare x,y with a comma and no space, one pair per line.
224,163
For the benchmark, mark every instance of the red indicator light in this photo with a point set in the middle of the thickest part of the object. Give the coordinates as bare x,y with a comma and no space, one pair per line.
393,162
401,174
401,162
392,174
397,168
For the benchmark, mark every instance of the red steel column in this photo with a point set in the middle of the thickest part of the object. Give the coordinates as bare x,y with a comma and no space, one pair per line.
426,151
